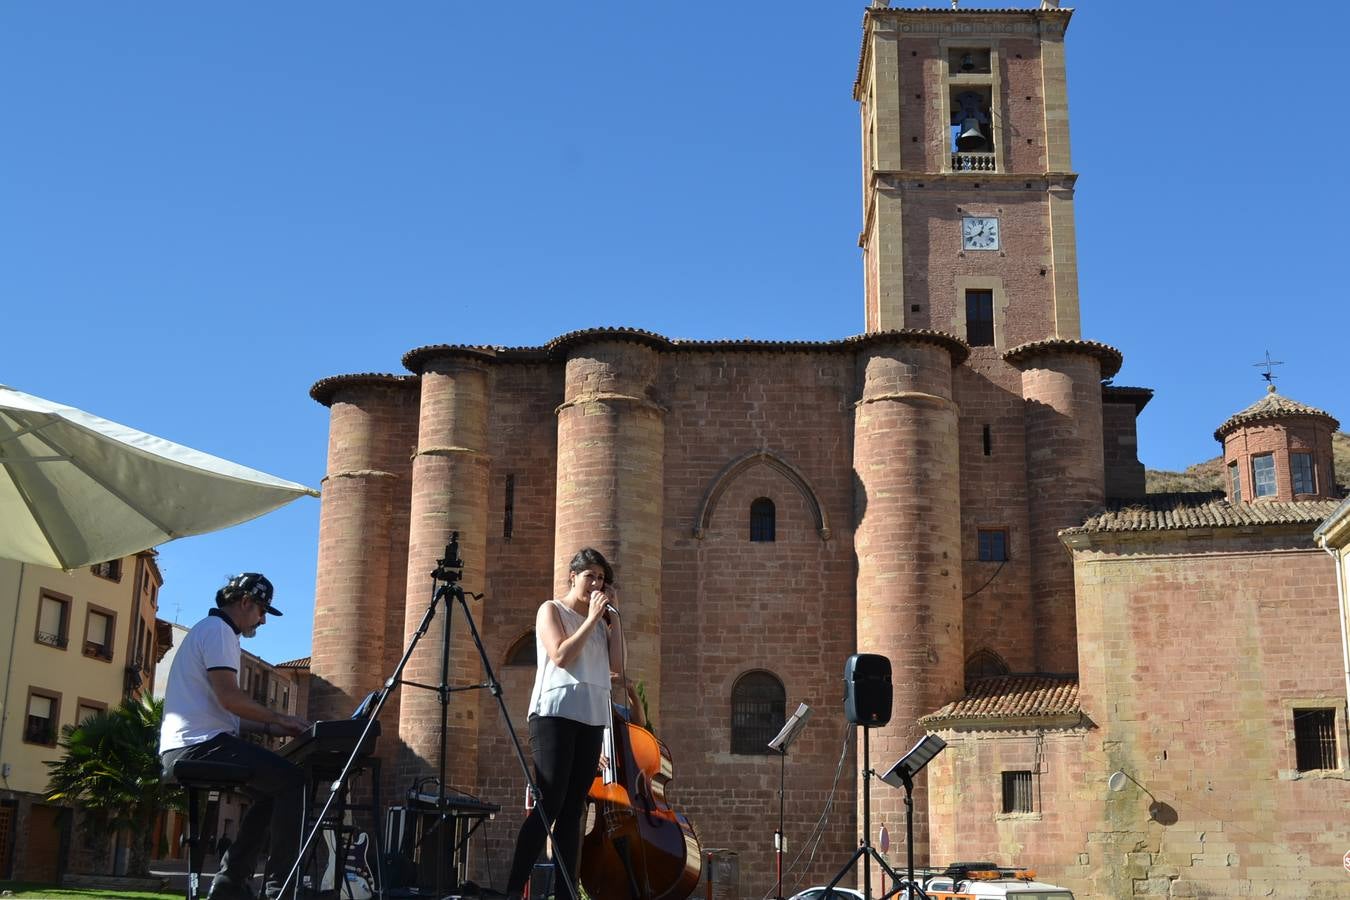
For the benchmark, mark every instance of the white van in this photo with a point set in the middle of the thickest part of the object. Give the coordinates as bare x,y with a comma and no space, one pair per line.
985,881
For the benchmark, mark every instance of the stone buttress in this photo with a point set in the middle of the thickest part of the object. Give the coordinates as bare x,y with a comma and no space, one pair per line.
1066,476
611,439
359,582
908,542
449,493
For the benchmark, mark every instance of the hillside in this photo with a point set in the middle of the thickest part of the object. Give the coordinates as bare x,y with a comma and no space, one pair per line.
1208,475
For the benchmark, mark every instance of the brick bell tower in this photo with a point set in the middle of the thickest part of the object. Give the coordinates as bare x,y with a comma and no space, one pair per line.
968,223
968,231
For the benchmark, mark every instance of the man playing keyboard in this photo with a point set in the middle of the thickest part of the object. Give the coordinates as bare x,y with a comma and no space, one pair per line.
204,711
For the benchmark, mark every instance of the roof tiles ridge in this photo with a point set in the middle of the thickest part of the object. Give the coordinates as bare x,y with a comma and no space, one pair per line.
1273,405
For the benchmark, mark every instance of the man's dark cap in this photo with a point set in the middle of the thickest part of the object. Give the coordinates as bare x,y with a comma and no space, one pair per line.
250,583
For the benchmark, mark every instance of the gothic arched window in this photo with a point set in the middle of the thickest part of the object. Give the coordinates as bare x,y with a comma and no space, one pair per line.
762,520
758,703
983,664
522,652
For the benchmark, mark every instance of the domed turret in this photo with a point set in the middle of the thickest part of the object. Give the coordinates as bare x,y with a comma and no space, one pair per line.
1278,449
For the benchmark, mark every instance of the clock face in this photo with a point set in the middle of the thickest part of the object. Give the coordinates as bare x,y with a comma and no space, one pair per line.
979,233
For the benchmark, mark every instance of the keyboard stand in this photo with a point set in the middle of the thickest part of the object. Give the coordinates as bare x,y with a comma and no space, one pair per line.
334,822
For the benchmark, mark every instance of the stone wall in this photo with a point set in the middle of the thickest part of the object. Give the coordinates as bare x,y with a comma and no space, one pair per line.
1195,648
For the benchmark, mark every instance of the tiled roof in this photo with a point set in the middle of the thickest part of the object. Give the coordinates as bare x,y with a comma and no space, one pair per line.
1208,509
1139,396
1272,406
324,389
971,10
301,663
1015,697
556,349
1107,355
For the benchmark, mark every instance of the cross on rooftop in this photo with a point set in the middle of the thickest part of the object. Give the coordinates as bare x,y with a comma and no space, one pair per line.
1269,374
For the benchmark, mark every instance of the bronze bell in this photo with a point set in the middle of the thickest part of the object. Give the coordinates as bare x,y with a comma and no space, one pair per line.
971,139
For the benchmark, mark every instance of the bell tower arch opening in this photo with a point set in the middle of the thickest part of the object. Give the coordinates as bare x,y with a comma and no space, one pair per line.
967,173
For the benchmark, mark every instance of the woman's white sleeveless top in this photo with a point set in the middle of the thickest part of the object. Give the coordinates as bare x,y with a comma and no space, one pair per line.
580,691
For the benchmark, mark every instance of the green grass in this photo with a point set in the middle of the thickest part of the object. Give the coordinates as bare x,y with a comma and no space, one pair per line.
30,890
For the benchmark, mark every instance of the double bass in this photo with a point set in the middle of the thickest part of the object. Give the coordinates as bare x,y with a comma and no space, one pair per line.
637,847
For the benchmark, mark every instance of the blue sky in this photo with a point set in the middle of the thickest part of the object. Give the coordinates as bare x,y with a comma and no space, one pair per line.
206,207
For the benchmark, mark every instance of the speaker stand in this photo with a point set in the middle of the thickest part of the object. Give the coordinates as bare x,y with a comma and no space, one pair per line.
866,852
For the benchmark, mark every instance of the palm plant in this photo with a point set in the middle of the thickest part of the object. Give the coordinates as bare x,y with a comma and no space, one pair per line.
111,771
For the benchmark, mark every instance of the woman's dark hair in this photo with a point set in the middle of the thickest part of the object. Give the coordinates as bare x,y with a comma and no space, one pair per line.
587,557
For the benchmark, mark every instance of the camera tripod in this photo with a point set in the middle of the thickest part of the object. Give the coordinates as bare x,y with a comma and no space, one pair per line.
446,590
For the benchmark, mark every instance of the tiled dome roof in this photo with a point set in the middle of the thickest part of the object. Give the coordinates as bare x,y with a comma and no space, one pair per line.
1272,406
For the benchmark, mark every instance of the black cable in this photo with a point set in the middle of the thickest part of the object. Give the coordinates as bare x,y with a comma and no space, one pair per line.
987,581
818,830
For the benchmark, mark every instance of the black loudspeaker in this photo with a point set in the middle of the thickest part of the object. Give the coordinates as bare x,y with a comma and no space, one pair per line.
867,689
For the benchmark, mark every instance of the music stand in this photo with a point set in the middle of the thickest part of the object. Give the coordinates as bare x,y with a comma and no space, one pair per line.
791,728
902,775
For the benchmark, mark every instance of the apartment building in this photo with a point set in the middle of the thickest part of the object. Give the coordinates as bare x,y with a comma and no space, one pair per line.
78,642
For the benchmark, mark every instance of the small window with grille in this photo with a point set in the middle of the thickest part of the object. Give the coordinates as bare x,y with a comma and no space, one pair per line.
1315,739
758,711
111,570
1236,476
53,624
763,524
1017,792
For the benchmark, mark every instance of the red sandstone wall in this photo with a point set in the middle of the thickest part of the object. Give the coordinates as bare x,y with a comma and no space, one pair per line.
363,539
908,544
922,70
1194,650
968,821
998,612
932,231
1120,446
731,606
1066,481
523,444
727,605
1280,438
449,494
361,544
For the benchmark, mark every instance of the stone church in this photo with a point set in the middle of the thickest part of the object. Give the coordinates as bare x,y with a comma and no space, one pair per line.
1142,696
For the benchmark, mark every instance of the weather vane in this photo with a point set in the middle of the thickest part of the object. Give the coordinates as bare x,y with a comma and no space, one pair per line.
1269,373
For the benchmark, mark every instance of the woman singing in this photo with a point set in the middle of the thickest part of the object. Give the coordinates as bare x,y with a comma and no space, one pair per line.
578,646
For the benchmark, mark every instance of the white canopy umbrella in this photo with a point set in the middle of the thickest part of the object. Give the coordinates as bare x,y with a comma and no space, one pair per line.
76,489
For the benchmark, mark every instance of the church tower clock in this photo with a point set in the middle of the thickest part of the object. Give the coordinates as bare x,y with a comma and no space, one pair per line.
968,223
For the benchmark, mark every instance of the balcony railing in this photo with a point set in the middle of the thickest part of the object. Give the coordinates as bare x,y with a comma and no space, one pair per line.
974,162
52,640
97,651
